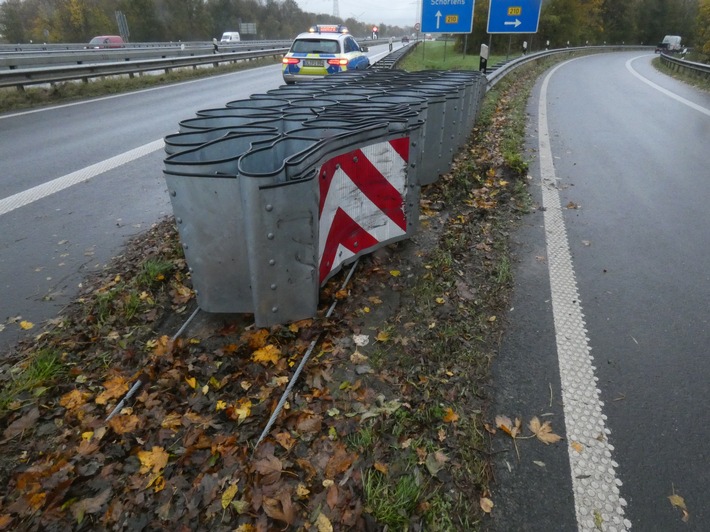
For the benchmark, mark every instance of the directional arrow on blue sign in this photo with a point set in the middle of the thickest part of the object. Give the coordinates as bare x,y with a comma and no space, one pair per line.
514,16
447,16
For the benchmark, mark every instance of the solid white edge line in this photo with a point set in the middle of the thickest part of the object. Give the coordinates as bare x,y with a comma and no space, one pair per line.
662,90
594,481
60,183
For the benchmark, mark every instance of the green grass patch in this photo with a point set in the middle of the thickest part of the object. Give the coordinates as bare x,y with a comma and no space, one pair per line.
441,55
690,79
30,379
391,502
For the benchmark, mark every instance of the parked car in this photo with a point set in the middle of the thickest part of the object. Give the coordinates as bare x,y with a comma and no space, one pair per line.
405,40
230,36
324,49
106,41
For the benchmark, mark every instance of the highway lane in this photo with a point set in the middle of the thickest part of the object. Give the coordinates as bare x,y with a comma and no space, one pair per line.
623,150
49,243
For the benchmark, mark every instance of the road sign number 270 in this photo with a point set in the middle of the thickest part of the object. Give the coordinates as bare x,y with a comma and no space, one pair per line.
514,11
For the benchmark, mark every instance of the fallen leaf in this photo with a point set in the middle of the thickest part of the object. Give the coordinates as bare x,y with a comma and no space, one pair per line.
395,273
26,325
486,504
598,520
678,502
450,416
435,462
323,524
92,505
361,339
154,460
543,431
22,424
115,388
577,446
191,382
382,468
266,354
228,495
506,425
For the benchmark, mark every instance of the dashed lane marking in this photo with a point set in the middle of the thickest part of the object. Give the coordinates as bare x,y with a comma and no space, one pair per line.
594,481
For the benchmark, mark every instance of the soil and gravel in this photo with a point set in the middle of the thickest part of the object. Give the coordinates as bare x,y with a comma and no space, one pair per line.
384,428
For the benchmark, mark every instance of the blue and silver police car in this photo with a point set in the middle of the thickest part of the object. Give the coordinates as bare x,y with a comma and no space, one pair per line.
323,50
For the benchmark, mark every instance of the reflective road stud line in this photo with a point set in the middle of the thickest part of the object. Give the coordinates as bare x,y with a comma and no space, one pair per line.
594,481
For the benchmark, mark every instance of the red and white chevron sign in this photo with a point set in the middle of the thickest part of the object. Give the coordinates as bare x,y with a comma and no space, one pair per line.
362,202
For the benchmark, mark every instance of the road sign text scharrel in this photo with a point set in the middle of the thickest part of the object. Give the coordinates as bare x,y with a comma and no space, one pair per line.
447,16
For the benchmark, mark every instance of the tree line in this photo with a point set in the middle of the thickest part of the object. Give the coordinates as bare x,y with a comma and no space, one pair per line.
562,22
597,22
77,21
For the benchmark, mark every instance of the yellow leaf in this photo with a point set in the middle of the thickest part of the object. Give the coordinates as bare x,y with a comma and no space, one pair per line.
486,504
228,495
382,468
221,405
26,325
440,300
395,273
241,411
382,336
154,460
678,502
323,524
450,416
543,431
246,527
302,491
577,446
74,399
269,353
87,435
192,381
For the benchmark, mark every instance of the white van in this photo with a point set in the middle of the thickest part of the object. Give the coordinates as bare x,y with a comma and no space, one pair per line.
230,36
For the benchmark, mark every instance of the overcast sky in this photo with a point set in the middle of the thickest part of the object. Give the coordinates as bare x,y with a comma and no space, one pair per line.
396,12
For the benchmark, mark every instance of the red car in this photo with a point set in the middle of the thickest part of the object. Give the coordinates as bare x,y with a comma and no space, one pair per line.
106,41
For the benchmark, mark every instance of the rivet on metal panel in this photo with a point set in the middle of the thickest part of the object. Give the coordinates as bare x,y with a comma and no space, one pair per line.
197,292
273,287
269,208
270,236
414,144
354,159
356,244
337,166
173,193
178,220
184,246
274,309
272,262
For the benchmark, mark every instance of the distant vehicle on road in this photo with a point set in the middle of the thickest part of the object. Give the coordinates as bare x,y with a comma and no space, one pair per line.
670,43
405,40
230,36
106,41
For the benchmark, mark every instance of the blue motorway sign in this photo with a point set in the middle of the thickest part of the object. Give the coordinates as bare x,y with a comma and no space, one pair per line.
447,16
514,16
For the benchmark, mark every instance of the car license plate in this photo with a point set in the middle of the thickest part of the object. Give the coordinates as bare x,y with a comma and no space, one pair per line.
312,63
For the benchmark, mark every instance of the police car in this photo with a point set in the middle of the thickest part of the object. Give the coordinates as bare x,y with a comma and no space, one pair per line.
323,50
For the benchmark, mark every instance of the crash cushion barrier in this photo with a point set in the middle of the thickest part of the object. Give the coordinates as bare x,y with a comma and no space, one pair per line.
274,194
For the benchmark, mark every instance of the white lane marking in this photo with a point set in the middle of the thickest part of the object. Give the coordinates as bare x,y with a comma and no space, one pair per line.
594,480
668,93
55,185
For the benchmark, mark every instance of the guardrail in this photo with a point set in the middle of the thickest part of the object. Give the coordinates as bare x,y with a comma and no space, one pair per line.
34,76
121,62
699,70
28,59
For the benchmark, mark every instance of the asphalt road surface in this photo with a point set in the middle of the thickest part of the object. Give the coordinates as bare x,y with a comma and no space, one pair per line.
78,180
609,335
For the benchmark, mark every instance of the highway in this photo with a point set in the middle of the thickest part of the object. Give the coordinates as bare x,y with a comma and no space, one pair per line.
78,180
609,325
